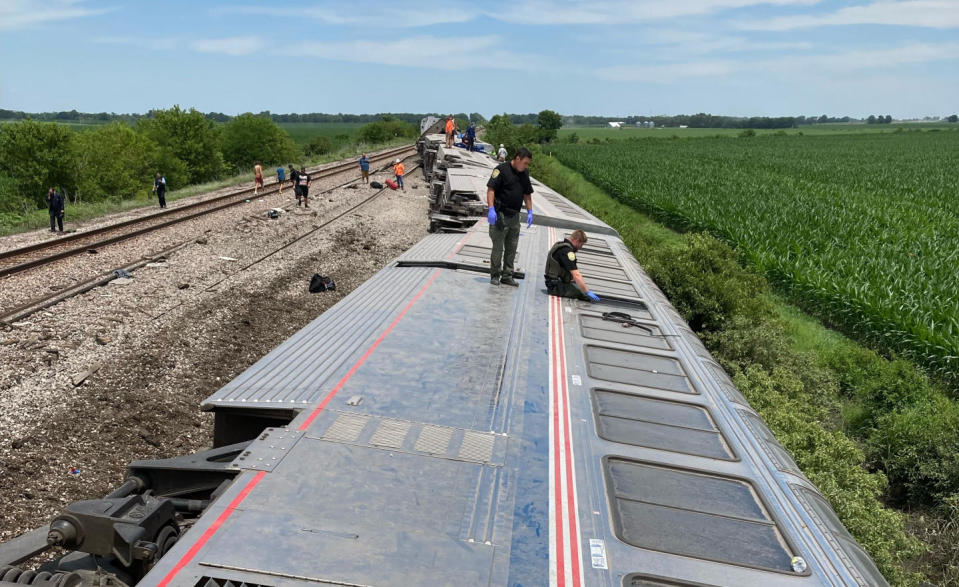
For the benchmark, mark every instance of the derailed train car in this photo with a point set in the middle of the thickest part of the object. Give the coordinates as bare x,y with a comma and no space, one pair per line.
432,429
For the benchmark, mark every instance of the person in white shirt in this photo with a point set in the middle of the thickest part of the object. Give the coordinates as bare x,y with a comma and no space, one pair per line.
501,154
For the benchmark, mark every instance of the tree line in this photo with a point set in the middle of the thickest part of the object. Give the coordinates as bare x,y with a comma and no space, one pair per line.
102,117
117,160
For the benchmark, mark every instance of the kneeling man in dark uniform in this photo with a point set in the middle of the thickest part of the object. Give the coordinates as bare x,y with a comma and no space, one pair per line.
563,278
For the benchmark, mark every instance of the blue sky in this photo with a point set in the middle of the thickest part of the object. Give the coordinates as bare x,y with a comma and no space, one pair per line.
607,57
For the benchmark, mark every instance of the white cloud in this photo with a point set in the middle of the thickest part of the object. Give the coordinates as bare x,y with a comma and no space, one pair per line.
667,72
422,51
156,44
811,64
942,14
229,45
390,15
529,12
20,14
610,12
678,41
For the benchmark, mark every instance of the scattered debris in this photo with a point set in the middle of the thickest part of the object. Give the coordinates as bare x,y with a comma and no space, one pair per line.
121,281
156,264
74,471
201,241
321,283
104,339
228,259
122,273
183,285
273,214
376,185
80,377
93,252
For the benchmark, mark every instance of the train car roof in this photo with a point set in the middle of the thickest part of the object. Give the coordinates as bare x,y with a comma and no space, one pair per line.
453,432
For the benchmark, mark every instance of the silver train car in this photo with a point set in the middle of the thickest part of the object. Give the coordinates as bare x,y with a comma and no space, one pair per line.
432,429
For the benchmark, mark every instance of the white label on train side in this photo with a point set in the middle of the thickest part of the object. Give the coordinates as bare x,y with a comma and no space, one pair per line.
577,380
597,553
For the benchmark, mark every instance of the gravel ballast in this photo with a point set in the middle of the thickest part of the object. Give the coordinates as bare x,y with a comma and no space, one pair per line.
149,349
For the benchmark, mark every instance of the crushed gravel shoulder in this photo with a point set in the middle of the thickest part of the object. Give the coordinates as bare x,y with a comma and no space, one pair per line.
154,346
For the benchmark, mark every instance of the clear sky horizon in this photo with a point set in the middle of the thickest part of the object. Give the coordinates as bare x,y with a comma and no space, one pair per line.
593,57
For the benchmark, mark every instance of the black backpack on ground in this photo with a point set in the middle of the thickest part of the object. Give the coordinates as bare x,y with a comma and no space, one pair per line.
321,283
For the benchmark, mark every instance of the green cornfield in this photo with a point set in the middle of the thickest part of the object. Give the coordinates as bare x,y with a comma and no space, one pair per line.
860,229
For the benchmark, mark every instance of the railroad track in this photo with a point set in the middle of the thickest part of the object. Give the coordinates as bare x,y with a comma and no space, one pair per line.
25,310
36,255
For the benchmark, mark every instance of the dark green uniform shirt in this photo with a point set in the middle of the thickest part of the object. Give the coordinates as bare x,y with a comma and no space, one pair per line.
561,262
509,187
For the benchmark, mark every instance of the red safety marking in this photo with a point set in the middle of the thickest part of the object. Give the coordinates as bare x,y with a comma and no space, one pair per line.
253,482
186,558
564,522
460,245
570,486
557,480
316,412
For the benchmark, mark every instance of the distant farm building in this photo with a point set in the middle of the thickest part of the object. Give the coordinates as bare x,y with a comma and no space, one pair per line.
645,124
614,124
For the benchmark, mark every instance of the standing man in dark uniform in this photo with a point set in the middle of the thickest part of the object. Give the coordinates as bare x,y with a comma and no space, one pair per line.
159,186
55,205
563,278
507,190
295,179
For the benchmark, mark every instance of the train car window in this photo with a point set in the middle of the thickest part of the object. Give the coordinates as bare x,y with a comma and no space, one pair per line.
725,383
648,335
659,424
779,456
636,368
857,560
694,514
647,581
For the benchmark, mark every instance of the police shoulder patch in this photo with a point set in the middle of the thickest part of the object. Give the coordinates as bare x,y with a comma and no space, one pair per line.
496,173
571,255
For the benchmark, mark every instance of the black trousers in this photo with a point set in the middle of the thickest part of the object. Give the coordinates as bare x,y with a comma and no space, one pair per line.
556,287
56,219
161,195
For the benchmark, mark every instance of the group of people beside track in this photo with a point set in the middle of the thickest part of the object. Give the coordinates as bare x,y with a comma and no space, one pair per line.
508,190
302,181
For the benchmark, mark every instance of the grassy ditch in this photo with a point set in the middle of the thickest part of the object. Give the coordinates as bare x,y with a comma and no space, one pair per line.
873,434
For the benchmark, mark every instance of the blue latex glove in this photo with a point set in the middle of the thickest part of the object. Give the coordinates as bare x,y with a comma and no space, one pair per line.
529,218
592,297
491,215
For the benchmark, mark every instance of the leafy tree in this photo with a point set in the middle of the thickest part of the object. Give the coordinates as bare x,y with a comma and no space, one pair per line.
249,138
36,156
871,119
386,129
10,201
549,123
501,130
318,145
953,118
478,119
113,162
186,136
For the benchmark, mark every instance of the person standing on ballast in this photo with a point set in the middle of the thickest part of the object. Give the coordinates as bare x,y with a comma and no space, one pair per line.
55,203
